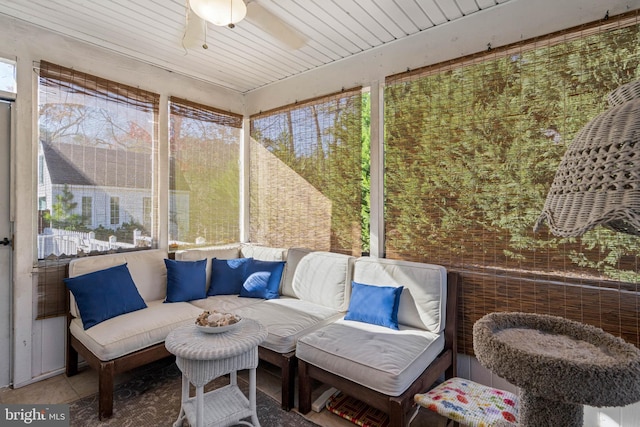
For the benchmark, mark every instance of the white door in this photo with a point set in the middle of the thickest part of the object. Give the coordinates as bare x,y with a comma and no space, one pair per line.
6,248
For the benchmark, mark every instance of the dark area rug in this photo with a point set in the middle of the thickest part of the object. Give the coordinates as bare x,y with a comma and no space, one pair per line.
151,398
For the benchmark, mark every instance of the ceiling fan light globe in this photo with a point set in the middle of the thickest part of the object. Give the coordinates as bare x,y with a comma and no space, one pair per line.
219,12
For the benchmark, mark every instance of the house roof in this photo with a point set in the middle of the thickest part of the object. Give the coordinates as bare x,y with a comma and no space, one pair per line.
75,164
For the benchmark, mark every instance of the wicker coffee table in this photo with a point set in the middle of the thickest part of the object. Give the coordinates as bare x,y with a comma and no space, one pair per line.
202,357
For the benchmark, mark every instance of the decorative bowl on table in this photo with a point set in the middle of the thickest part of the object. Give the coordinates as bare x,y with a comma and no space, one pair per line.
215,322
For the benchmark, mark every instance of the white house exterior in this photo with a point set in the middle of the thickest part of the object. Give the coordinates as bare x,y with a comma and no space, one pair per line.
110,187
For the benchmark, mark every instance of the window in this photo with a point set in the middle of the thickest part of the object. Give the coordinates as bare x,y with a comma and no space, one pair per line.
147,212
472,148
204,180
87,210
115,210
98,143
306,174
41,169
7,75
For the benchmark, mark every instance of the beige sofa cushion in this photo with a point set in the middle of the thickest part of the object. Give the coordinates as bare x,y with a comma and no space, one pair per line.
376,357
224,303
134,331
423,300
294,255
263,253
324,278
287,319
146,267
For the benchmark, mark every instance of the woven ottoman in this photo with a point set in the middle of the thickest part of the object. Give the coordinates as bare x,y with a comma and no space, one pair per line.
471,404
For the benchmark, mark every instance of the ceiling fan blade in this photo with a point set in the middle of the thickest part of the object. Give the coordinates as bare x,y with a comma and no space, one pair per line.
194,32
274,26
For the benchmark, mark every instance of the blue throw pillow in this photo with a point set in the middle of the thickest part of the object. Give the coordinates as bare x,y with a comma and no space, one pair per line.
104,294
262,279
186,280
377,305
227,276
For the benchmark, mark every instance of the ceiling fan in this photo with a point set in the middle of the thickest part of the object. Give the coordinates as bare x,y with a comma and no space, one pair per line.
229,13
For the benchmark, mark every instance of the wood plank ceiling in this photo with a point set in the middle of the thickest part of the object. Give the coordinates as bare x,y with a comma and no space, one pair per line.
260,50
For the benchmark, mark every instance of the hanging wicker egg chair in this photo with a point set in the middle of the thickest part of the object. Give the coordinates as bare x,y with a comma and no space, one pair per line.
598,180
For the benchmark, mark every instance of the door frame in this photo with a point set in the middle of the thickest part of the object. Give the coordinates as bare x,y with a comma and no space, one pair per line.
10,100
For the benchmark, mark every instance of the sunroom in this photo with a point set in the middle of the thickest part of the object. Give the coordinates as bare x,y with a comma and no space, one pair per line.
420,131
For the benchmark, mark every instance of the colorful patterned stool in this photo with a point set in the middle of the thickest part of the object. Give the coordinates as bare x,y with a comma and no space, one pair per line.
471,404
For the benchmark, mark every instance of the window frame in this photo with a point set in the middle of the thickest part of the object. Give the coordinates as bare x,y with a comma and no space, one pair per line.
485,288
214,211
305,148
114,210
132,143
87,209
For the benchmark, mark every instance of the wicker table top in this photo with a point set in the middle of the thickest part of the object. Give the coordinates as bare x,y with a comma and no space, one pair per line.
190,343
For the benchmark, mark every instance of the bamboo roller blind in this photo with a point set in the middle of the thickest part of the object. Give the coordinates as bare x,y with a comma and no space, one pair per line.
104,135
204,175
471,148
305,174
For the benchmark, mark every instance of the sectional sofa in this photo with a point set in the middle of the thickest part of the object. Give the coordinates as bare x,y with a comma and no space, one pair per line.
313,292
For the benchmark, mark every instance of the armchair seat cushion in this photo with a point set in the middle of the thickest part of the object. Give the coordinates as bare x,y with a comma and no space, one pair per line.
287,319
374,356
133,331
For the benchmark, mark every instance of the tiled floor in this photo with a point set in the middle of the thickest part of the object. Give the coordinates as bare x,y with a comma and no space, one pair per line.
58,389
63,389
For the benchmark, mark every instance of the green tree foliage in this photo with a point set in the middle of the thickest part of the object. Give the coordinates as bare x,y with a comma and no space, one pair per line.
343,185
365,199
471,152
62,214
322,142
206,167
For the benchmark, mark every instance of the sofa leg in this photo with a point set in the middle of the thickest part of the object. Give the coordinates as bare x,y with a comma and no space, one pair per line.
304,388
288,382
452,371
105,390
397,416
71,367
